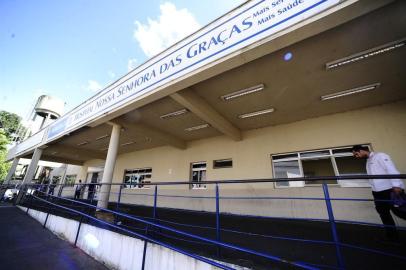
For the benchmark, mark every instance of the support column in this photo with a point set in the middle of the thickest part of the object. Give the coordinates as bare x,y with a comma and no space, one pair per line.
62,181
31,170
109,167
33,166
11,171
9,176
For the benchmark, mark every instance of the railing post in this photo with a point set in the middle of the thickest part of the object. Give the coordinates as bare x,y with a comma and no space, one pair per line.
118,204
81,220
340,260
60,191
218,218
77,232
49,209
146,229
23,196
155,201
80,224
28,206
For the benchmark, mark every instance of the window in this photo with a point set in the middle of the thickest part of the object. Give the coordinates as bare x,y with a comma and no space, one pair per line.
223,163
56,179
70,180
325,162
197,175
136,177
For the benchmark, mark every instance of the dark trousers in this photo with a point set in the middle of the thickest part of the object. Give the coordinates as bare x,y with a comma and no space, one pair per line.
384,208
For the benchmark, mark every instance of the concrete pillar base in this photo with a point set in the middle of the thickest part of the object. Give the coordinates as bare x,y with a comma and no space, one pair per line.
109,217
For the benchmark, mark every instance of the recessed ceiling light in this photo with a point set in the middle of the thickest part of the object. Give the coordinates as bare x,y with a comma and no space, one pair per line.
257,113
53,153
101,137
173,114
82,143
366,54
350,91
197,127
128,143
243,92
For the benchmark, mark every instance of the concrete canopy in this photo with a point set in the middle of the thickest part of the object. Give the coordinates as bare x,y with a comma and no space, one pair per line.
293,88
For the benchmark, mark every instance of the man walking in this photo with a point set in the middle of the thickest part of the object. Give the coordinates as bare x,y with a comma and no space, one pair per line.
380,164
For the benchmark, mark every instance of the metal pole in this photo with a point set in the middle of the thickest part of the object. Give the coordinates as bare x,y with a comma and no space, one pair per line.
49,210
118,204
80,225
146,229
340,260
28,206
217,218
24,191
81,220
155,200
60,191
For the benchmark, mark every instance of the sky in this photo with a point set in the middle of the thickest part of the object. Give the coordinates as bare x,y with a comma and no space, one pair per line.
72,49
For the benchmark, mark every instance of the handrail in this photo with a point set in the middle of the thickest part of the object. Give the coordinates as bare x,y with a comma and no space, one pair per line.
259,180
252,252
211,262
155,222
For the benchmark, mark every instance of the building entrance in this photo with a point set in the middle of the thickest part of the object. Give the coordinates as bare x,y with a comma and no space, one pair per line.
92,185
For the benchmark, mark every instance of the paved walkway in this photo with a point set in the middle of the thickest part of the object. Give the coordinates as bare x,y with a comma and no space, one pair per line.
25,244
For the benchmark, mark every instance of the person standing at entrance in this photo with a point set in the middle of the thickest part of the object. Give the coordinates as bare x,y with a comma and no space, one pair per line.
380,164
78,189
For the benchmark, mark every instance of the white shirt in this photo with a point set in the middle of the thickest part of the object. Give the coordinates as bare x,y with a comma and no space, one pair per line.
381,163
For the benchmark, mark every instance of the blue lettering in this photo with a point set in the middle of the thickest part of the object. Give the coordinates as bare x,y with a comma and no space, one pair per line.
192,51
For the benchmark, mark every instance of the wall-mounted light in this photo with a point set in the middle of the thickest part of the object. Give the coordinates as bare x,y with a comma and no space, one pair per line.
243,92
350,91
366,54
257,113
174,114
197,127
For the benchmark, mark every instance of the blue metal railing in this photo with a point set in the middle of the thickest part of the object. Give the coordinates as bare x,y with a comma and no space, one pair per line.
156,223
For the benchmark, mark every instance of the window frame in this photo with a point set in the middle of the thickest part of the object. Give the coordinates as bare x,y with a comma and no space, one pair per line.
331,155
195,185
222,160
142,172
68,176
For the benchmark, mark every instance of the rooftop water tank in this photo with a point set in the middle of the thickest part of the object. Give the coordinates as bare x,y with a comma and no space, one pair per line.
49,107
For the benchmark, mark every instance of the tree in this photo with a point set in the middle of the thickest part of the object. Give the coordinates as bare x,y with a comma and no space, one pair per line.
10,127
4,166
11,123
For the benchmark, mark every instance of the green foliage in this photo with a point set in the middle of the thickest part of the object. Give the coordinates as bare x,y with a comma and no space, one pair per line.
4,166
10,122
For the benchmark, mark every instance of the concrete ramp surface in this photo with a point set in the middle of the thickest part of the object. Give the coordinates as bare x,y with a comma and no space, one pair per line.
25,244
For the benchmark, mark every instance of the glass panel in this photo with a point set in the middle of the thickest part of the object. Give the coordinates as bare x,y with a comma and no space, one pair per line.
70,180
347,150
135,178
278,157
318,167
199,165
198,174
224,163
314,154
351,165
287,169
